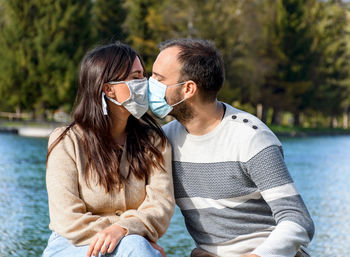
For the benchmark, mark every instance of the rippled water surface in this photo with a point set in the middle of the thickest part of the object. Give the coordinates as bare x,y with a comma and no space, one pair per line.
319,166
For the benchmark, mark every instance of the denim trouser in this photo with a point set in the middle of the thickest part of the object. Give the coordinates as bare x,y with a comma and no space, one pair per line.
129,246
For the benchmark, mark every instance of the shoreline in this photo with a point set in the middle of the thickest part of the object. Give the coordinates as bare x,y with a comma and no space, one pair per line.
311,133
29,129
41,132
44,130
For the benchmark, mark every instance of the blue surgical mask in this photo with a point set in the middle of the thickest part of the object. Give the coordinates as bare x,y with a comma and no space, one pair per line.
156,98
137,104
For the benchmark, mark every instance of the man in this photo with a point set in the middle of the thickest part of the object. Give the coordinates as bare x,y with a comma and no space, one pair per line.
231,182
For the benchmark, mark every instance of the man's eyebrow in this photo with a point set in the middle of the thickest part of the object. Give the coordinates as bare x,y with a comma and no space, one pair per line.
158,75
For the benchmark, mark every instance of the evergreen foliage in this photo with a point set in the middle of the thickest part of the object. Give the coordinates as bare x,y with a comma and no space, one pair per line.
282,55
108,18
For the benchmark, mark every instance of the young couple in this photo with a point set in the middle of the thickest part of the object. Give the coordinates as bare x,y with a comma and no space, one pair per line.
112,173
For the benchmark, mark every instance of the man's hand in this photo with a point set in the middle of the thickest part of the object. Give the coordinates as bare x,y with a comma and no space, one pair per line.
159,248
106,240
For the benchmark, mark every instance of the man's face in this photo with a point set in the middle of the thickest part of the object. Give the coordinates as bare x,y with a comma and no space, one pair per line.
166,69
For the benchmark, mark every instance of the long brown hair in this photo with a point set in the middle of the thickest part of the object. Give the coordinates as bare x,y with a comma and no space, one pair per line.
112,62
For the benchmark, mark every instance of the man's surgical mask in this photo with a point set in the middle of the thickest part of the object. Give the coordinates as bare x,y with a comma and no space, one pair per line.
156,98
137,101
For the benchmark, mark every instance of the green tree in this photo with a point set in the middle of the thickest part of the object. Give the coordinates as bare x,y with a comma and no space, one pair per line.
108,19
18,58
235,28
63,35
330,93
42,43
291,50
145,27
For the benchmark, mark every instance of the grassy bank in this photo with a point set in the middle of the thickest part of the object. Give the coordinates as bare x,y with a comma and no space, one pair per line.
33,124
278,130
301,131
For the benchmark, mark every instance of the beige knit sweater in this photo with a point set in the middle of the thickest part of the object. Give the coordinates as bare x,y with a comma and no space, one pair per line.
78,212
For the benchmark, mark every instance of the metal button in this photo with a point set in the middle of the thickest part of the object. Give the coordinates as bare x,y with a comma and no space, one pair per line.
234,117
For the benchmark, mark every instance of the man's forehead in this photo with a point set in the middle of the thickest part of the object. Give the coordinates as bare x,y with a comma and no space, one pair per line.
167,62
170,52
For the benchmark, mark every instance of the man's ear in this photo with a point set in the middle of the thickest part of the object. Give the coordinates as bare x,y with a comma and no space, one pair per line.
108,90
190,89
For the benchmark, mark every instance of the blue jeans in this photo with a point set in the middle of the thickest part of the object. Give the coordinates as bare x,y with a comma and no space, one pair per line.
129,246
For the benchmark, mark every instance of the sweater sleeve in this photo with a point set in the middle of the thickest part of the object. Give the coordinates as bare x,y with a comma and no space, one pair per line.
68,213
153,216
268,171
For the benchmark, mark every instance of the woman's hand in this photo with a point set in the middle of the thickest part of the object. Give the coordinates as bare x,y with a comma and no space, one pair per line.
106,240
159,248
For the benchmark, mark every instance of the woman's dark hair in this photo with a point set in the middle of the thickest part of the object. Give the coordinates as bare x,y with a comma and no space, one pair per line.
112,62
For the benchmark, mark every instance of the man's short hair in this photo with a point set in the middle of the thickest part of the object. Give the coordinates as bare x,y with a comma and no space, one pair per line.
201,62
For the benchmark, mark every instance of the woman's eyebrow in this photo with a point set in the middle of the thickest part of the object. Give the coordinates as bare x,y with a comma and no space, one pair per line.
137,71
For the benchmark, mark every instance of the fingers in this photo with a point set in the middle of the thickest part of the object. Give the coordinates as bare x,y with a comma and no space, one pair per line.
92,246
112,246
106,240
162,252
98,246
155,246
159,248
105,247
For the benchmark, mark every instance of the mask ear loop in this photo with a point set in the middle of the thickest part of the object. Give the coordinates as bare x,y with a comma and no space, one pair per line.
178,102
178,84
104,104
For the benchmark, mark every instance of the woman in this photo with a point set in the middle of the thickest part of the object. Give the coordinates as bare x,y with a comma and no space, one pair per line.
108,175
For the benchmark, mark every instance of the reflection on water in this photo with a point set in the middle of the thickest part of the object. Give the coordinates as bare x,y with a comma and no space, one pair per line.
23,198
319,166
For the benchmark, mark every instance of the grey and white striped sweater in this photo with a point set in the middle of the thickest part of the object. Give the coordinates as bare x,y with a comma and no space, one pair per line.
234,189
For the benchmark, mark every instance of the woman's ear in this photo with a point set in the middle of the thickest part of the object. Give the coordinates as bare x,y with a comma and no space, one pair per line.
108,90
190,89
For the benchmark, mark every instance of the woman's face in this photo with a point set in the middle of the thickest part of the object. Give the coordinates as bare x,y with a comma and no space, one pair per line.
121,90
136,70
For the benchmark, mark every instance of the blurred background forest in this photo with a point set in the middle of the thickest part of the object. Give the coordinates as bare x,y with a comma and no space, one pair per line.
286,61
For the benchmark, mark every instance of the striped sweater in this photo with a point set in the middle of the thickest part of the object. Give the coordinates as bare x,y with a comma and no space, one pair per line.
234,189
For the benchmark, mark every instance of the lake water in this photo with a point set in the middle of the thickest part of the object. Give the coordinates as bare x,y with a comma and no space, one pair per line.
318,165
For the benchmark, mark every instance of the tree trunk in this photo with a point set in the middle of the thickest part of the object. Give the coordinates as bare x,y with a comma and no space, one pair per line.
333,122
346,118
40,113
276,117
296,119
264,114
259,111
18,113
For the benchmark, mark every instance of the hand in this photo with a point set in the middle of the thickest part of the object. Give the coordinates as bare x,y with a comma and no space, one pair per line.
159,248
106,240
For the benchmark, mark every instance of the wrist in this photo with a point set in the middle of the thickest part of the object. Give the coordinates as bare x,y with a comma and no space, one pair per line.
122,230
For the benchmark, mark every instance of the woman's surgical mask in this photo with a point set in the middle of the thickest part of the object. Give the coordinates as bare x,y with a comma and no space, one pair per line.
133,96
156,98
